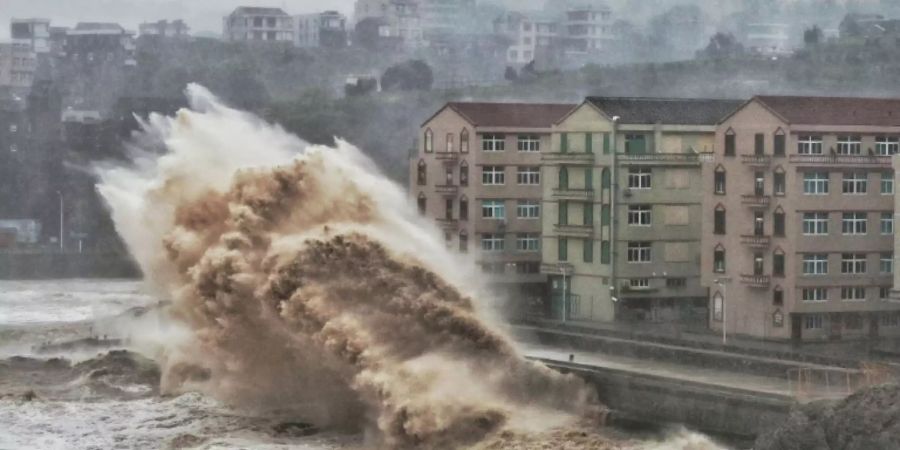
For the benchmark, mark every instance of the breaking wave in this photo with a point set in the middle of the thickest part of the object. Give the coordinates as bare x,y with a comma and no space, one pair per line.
308,283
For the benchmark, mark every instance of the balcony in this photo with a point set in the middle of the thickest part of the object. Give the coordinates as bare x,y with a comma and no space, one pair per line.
448,224
446,156
568,158
582,231
557,269
757,160
656,159
573,194
756,201
841,160
754,241
446,189
757,281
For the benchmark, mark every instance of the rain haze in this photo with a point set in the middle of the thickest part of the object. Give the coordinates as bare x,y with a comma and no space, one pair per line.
449,224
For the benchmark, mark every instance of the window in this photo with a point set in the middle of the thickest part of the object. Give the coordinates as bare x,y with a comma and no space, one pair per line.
464,174
815,183
815,264
779,185
849,145
778,223
528,209
605,252
587,211
759,223
639,178
853,263
464,208
886,264
528,242
815,223
529,143
529,175
887,223
778,297
492,242
639,252
635,144
887,183
676,282
429,141
758,266
563,178
448,239
448,209
719,181
587,250
639,215
719,220
449,146
813,321
422,173
759,184
730,143
449,175
759,144
493,209
718,303
889,320
464,141
463,241
562,249
493,142
563,142
780,140
809,145
855,183
853,294
493,175
778,264
13,128
719,260
639,283
818,294
854,223
886,146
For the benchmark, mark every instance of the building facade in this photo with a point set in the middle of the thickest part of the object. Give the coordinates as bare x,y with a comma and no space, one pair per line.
477,173
799,210
327,29
588,31
165,29
622,203
18,65
31,33
252,24
530,37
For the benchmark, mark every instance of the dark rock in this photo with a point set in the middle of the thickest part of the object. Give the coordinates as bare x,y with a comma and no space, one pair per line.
29,396
295,429
186,441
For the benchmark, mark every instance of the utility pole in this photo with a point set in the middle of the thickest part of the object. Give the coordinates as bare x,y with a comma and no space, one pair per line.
62,245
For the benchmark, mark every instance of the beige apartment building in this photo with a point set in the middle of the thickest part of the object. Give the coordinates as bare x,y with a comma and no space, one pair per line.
798,213
477,173
622,199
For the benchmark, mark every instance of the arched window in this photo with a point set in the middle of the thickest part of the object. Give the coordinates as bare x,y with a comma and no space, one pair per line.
450,139
719,219
464,208
422,173
464,141
778,296
778,263
464,241
779,183
778,222
429,141
423,203
563,177
719,180
719,259
780,142
730,143
718,306
463,173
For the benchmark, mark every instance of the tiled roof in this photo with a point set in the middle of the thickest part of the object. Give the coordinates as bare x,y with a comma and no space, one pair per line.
672,111
260,11
835,110
512,115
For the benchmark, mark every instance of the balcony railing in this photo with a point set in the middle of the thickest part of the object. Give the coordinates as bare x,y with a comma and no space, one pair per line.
572,158
557,269
756,201
448,223
757,160
446,189
844,160
757,281
574,230
659,158
754,241
446,156
573,194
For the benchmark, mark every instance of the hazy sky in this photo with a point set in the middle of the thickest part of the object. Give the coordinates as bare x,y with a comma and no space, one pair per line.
201,15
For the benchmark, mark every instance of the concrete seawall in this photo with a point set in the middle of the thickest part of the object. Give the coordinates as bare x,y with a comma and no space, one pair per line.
38,266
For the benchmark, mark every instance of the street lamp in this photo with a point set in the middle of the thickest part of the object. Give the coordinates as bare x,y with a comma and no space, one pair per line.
62,245
721,282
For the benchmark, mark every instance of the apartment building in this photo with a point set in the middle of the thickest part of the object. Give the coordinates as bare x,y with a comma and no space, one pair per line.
531,36
258,24
326,29
622,199
31,33
588,30
165,29
99,43
17,67
798,205
477,173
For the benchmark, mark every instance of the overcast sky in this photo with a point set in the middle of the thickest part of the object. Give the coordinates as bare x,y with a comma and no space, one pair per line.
201,15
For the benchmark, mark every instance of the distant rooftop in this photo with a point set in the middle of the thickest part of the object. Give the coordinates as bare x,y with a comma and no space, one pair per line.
834,110
671,111
511,115
96,28
252,10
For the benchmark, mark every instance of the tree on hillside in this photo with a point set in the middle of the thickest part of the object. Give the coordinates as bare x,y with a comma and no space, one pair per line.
722,46
408,76
812,36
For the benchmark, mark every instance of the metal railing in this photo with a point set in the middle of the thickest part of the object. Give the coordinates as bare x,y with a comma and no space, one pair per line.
869,160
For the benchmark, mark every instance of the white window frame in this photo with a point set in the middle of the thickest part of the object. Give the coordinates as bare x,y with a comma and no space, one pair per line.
493,175
816,183
493,242
493,209
887,183
886,264
528,143
887,223
813,321
639,283
640,178
528,209
855,223
809,145
814,294
816,223
853,263
853,293
815,264
640,215
528,175
640,252
855,183
849,145
493,142
887,145
528,242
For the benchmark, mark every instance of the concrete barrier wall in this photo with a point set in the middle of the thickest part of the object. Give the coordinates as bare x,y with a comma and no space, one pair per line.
31,266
